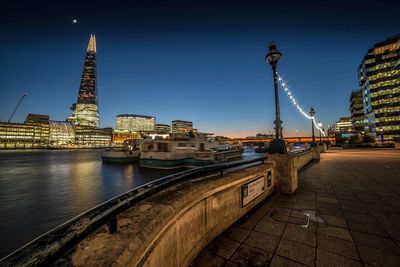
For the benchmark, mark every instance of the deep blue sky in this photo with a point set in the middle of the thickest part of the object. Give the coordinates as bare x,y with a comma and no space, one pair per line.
194,60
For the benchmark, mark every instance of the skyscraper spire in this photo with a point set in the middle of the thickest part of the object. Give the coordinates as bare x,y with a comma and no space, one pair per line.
85,110
92,44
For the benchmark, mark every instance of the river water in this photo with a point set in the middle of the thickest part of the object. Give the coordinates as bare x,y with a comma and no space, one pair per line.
41,189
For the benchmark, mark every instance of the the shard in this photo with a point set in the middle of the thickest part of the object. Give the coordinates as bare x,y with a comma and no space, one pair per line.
85,111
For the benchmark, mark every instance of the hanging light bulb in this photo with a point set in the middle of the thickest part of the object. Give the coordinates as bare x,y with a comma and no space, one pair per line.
294,102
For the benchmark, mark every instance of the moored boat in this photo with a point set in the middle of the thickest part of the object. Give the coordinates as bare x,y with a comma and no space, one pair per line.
129,153
186,150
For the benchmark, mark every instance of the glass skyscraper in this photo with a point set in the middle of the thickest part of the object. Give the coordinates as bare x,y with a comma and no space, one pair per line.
85,110
379,79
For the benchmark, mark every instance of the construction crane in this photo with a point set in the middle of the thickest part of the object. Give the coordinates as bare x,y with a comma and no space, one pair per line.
18,104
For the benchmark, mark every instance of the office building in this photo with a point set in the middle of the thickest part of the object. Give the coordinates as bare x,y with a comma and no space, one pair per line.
344,125
162,129
359,120
89,137
119,137
134,123
85,111
62,134
22,135
379,79
179,126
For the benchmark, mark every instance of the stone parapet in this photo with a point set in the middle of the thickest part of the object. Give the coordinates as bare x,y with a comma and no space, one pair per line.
287,166
173,226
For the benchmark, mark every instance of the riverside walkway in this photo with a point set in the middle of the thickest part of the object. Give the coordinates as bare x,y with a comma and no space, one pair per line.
346,212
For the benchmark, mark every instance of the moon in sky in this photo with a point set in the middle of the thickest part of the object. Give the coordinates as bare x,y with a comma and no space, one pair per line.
74,21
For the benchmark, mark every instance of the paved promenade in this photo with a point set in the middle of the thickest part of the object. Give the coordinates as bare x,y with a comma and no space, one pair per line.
346,212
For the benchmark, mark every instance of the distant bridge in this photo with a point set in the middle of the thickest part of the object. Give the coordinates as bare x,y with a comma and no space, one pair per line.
288,139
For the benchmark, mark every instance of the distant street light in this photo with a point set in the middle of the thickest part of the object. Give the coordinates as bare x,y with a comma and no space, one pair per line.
381,130
320,126
277,146
312,113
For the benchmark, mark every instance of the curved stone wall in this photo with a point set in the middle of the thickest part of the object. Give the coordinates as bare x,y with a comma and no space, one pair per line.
173,226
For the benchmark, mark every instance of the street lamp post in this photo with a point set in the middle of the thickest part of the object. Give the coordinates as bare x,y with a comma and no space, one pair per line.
381,130
320,126
277,146
312,113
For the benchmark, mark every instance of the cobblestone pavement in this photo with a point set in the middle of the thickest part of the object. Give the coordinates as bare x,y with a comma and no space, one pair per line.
346,212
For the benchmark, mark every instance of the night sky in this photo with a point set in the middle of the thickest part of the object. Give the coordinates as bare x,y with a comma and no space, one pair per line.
193,60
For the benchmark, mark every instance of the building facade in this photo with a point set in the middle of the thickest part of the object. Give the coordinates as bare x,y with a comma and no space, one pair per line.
162,129
23,135
359,120
90,137
39,132
179,126
62,134
85,111
379,79
118,138
344,125
134,123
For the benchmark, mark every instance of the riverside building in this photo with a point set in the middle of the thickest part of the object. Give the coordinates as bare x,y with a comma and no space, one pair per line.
91,137
134,123
379,79
52,134
179,126
359,120
344,124
162,129
62,134
23,135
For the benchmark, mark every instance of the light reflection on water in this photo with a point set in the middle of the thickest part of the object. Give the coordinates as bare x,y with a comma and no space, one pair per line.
39,190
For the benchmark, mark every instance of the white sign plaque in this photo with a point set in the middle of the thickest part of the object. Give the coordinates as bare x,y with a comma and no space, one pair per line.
252,190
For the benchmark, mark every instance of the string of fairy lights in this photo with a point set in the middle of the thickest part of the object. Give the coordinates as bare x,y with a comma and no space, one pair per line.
292,98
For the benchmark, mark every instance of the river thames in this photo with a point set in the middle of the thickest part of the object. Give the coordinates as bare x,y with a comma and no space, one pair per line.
42,189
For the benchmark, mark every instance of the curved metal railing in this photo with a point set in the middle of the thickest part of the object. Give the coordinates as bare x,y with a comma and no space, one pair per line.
50,246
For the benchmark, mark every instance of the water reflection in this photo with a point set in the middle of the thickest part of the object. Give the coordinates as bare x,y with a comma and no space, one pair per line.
39,190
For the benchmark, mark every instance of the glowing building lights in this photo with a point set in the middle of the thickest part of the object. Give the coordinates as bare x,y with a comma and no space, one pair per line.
379,81
85,110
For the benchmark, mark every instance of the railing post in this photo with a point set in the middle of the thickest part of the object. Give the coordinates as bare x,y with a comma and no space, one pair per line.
112,225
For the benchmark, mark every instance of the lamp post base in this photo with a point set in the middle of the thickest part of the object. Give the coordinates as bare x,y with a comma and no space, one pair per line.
314,144
277,146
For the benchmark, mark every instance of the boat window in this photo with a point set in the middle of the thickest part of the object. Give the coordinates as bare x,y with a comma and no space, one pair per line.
201,148
165,147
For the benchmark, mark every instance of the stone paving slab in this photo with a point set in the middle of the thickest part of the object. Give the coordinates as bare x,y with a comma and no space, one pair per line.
352,198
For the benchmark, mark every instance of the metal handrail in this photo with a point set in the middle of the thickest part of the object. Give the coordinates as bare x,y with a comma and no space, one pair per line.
50,246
